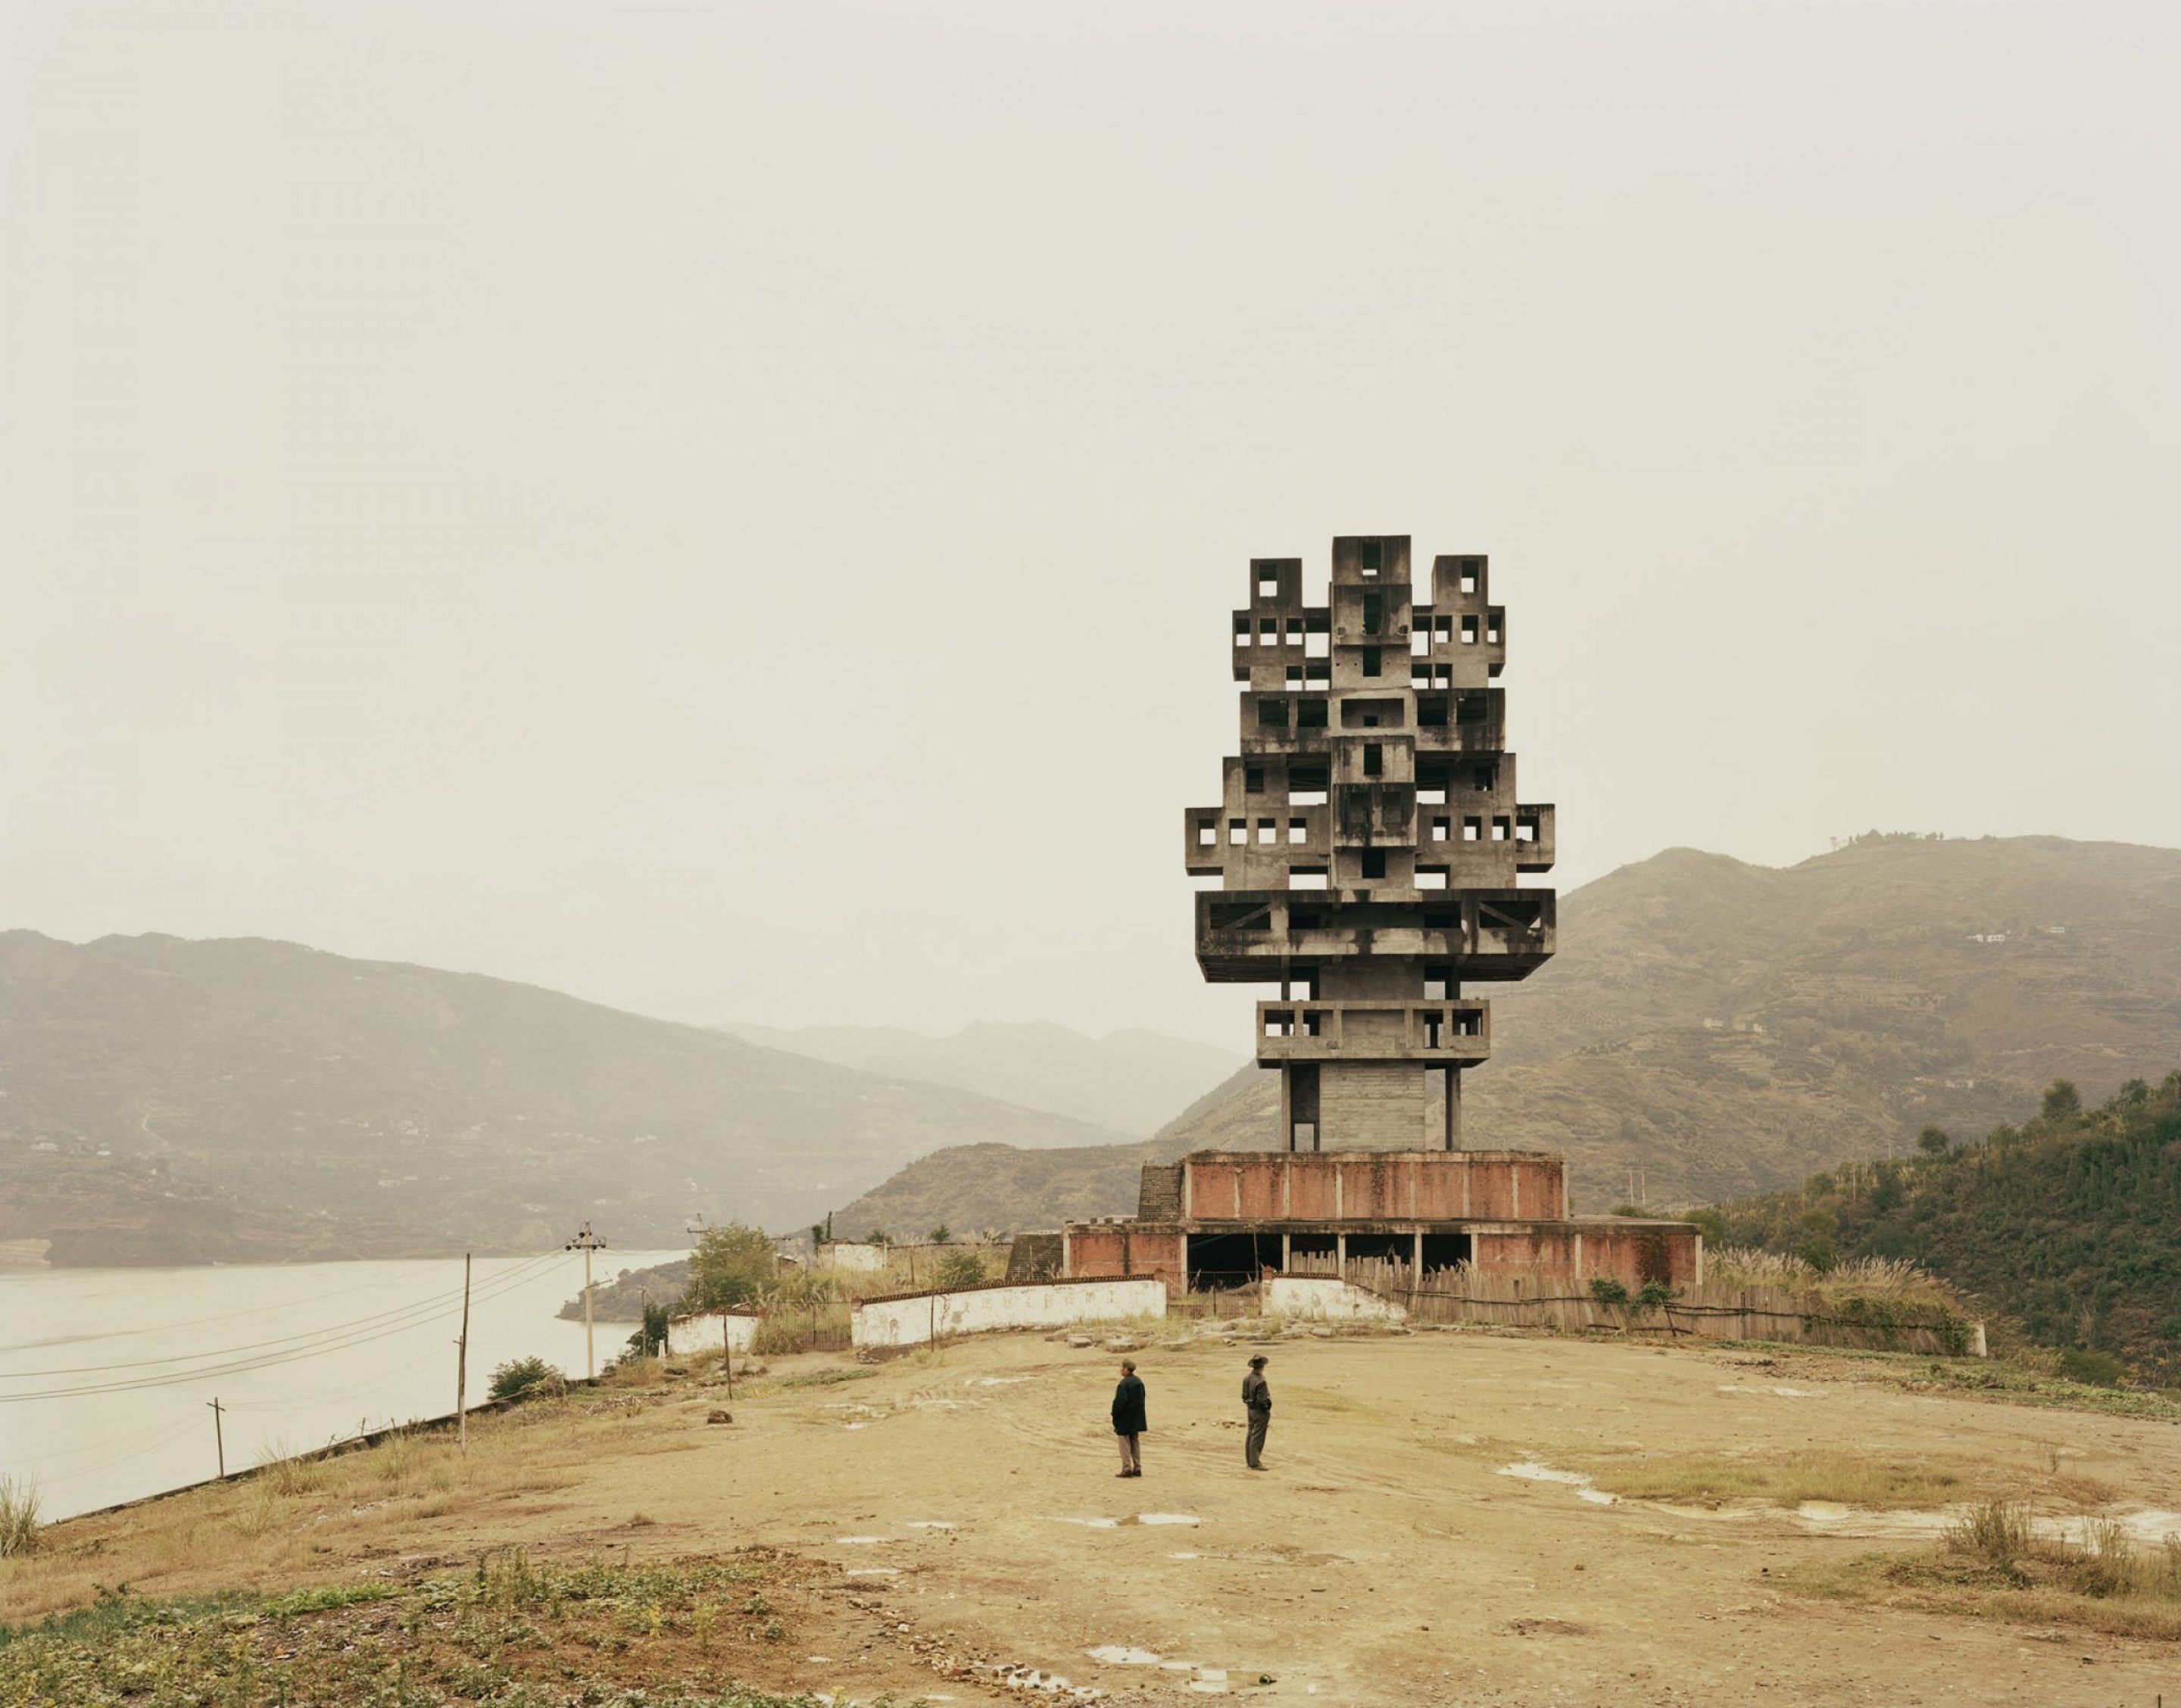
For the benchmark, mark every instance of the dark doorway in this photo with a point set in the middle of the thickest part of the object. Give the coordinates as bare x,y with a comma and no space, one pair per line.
1445,1250
1399,1248
1219,1261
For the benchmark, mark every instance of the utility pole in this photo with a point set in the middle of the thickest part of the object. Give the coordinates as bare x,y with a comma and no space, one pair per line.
586,1242
462,1362
218,1441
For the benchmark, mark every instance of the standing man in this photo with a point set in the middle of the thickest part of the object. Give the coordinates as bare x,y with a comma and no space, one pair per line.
1129,1417
1258,1401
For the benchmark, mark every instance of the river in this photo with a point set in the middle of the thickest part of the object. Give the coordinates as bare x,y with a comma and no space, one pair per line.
107,1376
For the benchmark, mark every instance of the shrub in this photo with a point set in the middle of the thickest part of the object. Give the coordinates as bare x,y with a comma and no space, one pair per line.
1653,1294
519,1378
961,1269
2061,1099
650,1338
18,1516
1607,1291
2093,1369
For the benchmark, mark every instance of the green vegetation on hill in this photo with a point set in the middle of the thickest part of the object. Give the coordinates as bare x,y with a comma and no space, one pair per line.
168,1101
2067,1228
1724,1029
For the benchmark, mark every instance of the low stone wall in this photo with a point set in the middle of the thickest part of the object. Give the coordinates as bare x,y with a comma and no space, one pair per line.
1320,1298
712,1331
910,1320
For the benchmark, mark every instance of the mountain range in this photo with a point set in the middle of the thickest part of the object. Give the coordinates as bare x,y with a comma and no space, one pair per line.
1131,1081
1711,1029
171,1101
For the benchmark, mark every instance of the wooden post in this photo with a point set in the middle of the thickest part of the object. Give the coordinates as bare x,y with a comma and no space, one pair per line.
462,1363
218,1441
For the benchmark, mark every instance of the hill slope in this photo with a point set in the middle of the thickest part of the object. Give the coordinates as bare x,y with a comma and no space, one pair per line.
171,1101
1129,1080
2069,1226
1729,1028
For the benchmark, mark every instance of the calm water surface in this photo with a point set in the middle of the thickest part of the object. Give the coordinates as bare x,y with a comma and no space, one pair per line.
297,1354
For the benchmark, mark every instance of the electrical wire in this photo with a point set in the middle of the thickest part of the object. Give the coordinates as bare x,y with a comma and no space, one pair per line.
337,1340
199,1322
420,1309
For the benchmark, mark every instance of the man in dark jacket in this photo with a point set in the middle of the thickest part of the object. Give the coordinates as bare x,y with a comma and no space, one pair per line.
1257,1402
1129,1417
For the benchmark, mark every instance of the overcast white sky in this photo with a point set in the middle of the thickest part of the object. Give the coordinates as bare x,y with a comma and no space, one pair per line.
734,510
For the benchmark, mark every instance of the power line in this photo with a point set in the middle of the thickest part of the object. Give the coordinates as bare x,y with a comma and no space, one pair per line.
136,1332
419,1308
339,1340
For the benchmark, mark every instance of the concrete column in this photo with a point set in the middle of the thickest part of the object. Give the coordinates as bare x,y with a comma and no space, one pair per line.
1417,1267
1452,1109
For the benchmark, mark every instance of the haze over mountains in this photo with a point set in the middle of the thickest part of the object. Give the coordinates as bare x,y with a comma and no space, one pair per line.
165,1101
1131,1081
1726,1028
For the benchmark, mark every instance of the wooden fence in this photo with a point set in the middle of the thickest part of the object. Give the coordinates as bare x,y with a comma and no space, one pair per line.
1713,1311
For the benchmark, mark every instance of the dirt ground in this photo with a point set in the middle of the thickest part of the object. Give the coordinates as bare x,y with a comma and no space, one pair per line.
1421,1536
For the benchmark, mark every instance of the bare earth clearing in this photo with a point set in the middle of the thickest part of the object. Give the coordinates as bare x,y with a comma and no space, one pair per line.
960,1505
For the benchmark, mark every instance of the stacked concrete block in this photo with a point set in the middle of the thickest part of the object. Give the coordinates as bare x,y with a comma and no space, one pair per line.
1369,842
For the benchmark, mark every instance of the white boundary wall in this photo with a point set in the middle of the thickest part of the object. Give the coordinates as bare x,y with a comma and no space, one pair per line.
916,1318
1322,1299
711,1331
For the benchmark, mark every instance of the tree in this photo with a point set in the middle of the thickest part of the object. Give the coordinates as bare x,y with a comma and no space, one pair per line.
2061,1099
1933,1141
960,1269
650,1339
732,1265
941,1234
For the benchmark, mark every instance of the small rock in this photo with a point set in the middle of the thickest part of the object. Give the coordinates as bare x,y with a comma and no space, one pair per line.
1079,1341
1322,1332
716,1416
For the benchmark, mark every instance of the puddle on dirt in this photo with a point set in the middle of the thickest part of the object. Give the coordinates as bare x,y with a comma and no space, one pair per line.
1209,1680
1168,1518
1184,1556
1531,1471
1037,1678
1094,1524
1779,1388
860,1541
929,1524
874,1571
995,1381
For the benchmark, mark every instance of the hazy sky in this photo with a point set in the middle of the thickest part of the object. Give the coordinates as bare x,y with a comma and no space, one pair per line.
734,510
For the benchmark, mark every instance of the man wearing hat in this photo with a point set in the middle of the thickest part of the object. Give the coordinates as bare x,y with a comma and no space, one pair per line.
1257,1402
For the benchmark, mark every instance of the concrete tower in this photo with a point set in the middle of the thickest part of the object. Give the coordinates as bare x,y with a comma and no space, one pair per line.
1369,840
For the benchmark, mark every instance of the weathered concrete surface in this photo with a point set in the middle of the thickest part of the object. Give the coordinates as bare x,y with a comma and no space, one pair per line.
1320,1298
712,1331
911,1319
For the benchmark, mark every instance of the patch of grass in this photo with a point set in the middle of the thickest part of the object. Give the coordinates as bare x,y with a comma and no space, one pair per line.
287,1473
1999,1562
19,1517
1883,1480
511,1631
